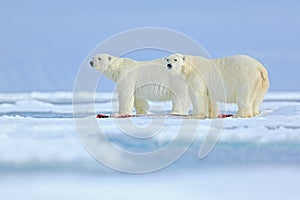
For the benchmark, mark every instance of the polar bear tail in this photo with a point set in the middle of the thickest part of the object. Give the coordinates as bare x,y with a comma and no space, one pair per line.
264,77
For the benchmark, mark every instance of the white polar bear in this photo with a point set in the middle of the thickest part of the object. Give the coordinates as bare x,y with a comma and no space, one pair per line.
139,81
237,79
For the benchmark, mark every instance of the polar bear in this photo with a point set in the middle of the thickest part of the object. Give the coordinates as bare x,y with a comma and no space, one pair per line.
237,79
139,81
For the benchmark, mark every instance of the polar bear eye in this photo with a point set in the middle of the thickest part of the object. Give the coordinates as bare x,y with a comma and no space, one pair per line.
175,60
99,58
168,60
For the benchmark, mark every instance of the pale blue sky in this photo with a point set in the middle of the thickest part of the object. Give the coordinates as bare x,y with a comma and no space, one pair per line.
42,43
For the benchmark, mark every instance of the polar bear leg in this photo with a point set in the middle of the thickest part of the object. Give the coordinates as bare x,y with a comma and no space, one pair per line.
244,110
256,105
213,109
258,101
246,95
186,102
126,98
126,105
199,98
177,106
141,106
260,93
180,103
245,106
199,95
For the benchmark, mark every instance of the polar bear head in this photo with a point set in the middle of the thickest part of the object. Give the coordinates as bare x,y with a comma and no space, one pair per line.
101,62
182,64
108,65
179,63
175,62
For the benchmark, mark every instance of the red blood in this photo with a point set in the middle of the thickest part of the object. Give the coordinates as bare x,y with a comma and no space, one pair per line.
114,116
224,115
102,116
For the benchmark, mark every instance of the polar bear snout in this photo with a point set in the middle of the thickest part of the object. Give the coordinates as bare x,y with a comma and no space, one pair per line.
169,66
92,63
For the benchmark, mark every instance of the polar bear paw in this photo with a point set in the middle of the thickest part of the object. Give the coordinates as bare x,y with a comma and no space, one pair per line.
198,116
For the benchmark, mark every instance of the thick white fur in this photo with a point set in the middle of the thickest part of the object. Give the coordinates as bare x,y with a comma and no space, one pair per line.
138,82
237,79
